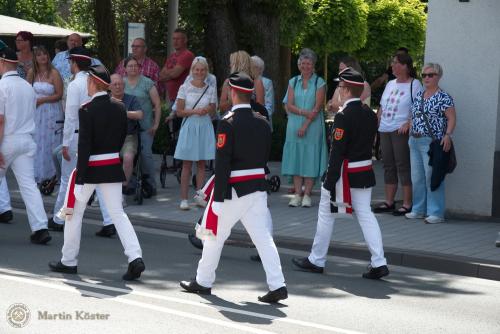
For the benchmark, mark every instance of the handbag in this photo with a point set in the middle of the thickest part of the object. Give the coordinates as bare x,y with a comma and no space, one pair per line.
196,103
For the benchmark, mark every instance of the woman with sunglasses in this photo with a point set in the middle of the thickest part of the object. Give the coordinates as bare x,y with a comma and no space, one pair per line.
440,119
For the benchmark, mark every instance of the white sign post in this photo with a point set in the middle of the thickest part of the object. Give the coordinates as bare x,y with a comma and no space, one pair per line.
134,30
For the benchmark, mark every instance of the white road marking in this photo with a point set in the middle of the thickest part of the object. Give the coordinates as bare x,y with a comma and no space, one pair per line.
34,279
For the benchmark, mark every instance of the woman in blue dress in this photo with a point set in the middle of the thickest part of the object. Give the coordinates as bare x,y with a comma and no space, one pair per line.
305,152
196,104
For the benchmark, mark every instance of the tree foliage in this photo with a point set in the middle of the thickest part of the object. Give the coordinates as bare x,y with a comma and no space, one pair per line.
41,11
393,24
337,25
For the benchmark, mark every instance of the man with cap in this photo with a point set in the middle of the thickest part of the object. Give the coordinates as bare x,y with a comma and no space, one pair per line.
349,179
103,127
77,94
238,193
17,147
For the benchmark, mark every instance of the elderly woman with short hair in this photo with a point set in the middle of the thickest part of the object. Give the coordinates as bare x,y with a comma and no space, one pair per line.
433,116
257,69
305,150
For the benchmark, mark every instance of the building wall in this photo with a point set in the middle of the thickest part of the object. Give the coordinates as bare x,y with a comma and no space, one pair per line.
464,37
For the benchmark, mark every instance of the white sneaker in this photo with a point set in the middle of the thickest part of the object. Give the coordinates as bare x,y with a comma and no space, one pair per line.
433,220
306,201
414,215
124,201
184,205
295,201
95,202
199,199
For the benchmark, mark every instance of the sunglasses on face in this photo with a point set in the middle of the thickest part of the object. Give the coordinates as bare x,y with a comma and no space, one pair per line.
430,75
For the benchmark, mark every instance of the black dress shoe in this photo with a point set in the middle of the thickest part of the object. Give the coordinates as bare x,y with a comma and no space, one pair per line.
197,243
6,216
58,267
304,263
135,269
275,296
255,258
376,273
41,237
53,226
194,287
106,231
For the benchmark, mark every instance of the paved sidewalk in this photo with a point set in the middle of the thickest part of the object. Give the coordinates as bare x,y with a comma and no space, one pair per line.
457,246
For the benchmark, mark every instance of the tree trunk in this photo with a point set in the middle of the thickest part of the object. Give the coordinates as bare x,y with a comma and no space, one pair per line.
107,45
220,40
284,77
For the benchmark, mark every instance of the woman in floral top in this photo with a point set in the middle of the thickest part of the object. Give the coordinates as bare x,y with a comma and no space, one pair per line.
439,108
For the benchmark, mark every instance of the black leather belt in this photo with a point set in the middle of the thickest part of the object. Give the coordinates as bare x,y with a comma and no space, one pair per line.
418,135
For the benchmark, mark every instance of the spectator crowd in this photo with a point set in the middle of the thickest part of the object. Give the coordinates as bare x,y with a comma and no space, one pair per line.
412,114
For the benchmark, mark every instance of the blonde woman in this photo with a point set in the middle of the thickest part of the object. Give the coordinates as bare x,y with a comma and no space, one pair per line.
48,86
240,61
195,104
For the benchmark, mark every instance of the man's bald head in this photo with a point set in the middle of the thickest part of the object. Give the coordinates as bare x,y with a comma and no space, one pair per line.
74,40
117,86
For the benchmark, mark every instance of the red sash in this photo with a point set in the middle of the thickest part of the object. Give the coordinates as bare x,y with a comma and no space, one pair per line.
66,211
208,226
342,203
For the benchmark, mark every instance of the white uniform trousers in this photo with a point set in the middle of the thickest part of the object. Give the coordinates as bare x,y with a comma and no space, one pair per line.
112,198
66,169
371,231
19,153
4,196
252,210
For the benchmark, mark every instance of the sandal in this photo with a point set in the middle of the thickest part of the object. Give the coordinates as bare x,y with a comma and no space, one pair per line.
403,210
384,207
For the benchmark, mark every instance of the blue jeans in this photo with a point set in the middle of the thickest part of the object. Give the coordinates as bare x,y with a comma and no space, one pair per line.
425,201
147,157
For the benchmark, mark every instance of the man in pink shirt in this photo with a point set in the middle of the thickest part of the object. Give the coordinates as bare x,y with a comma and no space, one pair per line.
149,68
177,65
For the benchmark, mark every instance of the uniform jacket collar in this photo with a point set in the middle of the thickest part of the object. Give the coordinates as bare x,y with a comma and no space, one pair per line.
349,101
102,93
241,106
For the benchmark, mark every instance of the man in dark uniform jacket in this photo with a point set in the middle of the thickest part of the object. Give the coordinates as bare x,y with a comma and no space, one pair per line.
349,179
103,127
239,193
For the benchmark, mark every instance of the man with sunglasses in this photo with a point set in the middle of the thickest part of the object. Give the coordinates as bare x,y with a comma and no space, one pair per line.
349,179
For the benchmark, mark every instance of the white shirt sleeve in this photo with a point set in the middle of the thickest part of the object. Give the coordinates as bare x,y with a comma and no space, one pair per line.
71,114
3,102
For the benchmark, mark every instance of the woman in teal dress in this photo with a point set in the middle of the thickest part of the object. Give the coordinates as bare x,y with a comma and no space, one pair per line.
305,155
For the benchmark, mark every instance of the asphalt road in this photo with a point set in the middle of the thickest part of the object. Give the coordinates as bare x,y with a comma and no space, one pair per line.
339,301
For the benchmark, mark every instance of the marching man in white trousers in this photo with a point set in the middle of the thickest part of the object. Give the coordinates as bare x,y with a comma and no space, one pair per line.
238,192
349,180
17,147
103,127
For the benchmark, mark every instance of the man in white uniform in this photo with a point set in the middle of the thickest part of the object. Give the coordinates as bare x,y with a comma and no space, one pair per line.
17,147
77,94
